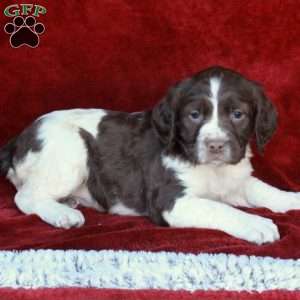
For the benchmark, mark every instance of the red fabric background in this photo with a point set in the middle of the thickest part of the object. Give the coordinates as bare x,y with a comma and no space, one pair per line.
123,55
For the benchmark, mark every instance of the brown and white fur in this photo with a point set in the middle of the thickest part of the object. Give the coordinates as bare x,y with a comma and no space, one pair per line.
186,163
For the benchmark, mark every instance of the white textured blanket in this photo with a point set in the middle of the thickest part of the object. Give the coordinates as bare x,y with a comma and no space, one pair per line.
144,270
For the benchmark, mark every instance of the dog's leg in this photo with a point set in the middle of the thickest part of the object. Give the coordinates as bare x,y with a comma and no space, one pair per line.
53,174
204,213
260,194
49,210
45,188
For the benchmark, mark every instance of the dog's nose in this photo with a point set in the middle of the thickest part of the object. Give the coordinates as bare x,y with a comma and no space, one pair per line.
215,146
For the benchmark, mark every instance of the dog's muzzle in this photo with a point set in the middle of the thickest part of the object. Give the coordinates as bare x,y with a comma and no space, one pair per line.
214,150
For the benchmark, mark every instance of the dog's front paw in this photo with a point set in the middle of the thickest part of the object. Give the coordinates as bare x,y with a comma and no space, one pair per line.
287,201
258,230
293,201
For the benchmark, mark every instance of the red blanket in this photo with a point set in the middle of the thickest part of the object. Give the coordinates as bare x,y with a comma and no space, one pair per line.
104,231
123,55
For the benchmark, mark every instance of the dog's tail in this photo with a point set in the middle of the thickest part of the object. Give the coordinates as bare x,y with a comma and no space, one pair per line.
6,156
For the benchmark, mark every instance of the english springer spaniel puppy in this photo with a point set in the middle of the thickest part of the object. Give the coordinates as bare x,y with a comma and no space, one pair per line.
185,163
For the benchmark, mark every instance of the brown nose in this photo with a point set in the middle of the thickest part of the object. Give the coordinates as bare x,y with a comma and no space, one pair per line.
215,146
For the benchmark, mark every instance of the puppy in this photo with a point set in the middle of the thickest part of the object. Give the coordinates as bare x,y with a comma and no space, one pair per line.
186,163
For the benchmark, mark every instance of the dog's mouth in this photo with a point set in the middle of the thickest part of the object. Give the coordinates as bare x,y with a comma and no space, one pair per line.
217,159
231,154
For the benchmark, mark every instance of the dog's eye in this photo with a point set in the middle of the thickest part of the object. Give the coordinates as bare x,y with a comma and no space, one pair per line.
237,114
195,115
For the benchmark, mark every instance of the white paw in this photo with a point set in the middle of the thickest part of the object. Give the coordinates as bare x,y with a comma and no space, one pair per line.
296,204
62,216
72,218
258,230
288,201
291,202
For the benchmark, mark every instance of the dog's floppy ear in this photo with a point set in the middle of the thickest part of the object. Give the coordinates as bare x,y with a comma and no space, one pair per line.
163,117
164,113
265,120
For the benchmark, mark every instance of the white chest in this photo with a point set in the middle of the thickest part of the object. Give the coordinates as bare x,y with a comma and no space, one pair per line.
220,183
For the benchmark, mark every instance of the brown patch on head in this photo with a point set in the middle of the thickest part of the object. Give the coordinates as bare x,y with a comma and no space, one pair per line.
243,110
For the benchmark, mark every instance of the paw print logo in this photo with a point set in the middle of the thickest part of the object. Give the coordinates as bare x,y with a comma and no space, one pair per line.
24,31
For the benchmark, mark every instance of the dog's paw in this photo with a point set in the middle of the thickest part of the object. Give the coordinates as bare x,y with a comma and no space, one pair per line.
258,230
285,202
63,217
297,195
73,218
296,204
292,201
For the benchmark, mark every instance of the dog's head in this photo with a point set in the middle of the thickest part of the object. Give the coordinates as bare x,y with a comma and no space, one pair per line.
211,117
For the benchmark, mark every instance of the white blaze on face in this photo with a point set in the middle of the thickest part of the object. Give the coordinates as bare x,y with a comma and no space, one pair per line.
211,130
